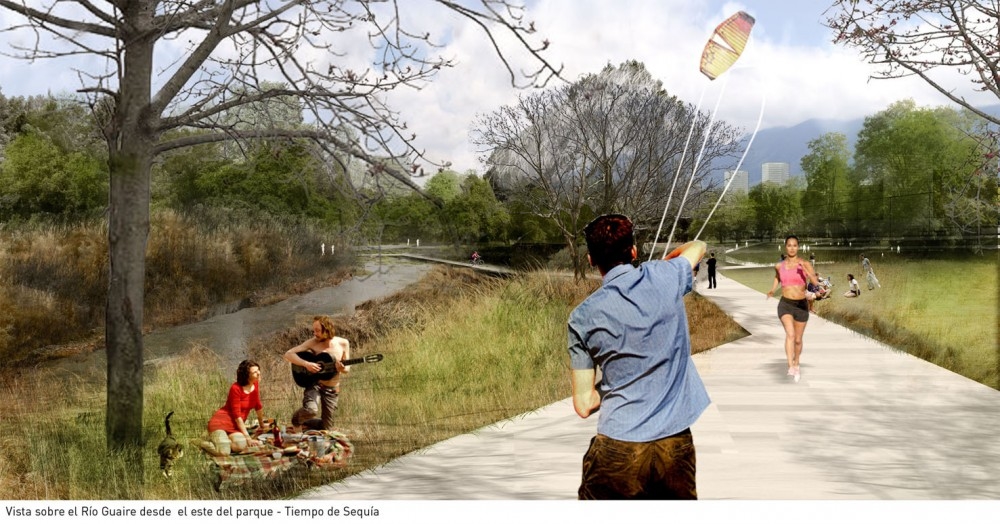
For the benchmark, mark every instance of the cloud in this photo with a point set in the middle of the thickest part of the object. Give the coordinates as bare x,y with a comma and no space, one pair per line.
797,80
790,64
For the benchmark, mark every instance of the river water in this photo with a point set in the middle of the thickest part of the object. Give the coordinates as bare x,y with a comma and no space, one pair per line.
227,334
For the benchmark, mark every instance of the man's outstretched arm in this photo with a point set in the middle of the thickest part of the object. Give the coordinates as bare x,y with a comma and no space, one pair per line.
693,252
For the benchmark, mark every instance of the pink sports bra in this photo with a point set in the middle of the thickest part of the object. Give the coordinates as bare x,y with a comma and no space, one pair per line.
791,277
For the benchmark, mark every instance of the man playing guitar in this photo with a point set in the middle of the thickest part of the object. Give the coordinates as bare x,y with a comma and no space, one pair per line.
326,390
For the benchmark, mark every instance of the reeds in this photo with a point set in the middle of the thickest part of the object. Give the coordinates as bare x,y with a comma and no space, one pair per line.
53,278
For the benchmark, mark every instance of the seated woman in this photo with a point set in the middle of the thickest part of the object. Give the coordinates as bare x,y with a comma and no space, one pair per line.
227,428
855,289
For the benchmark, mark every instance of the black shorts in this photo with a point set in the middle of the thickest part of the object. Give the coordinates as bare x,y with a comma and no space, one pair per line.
798,309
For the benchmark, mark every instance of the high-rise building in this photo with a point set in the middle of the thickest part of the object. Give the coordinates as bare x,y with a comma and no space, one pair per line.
741,182
774,172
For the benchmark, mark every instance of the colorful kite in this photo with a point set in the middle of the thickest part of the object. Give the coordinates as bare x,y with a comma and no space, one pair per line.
724,47
726,44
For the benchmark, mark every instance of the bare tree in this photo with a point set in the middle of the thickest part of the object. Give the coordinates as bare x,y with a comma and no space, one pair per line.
915,37
530,150
634,133
231,49
610,142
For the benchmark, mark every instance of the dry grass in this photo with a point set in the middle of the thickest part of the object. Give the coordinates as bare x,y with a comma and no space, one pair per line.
454,345
709,326
53,278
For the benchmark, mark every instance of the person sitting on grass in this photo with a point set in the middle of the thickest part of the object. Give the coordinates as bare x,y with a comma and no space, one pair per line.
816,292
855,289
227,428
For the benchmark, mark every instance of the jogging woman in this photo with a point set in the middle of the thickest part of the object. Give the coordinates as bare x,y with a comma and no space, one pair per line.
792,274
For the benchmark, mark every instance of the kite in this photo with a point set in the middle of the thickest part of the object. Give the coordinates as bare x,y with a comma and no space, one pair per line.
724,47
726,44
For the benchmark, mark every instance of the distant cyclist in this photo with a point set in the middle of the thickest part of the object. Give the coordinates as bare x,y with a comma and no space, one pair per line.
476,258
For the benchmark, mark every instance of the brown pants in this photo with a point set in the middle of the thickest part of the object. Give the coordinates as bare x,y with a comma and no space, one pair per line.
661,469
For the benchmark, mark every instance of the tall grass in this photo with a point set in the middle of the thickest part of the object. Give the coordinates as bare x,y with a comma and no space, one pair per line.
461,351
943,311
53,278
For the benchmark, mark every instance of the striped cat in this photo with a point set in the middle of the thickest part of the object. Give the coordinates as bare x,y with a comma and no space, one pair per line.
169,449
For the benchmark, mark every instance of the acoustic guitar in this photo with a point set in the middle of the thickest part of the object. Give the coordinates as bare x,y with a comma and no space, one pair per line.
305,379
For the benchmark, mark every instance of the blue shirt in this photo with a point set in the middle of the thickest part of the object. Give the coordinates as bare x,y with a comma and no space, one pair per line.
635,328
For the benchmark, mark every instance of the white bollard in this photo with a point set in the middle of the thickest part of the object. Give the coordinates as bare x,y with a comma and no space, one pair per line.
322,249
418,242
407,242
332,248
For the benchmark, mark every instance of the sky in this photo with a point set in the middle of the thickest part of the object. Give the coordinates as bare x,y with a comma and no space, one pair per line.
790,67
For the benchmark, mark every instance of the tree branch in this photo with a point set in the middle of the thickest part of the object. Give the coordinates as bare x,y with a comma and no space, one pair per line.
48,18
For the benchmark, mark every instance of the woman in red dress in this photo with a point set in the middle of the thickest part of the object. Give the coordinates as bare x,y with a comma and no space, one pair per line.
227,428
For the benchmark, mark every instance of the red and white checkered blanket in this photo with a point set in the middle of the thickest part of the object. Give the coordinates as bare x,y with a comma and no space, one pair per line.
267,461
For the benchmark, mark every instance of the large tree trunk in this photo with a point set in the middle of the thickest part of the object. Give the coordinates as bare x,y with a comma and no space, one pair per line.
128,228
131,139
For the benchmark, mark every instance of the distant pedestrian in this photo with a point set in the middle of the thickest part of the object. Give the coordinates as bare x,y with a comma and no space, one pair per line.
792,274
866,266
812,260
711,271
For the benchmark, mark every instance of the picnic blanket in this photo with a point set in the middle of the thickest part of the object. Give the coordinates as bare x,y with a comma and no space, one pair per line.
313,450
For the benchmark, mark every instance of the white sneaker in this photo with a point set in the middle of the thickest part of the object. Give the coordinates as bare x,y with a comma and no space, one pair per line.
797,374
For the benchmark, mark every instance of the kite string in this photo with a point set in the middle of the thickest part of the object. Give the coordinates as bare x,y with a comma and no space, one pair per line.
680,165
760,118
694,171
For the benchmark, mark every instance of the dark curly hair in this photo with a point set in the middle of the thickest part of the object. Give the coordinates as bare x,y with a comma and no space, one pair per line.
243,372
610,239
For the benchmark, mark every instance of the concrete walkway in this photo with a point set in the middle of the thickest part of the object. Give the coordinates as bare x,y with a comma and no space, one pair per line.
864,422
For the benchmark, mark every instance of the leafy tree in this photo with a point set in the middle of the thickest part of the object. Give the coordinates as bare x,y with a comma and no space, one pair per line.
475,213
920,38
444,185
826,169
233,44
178,173
732,220
776,209
37,176
906,158
404,217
